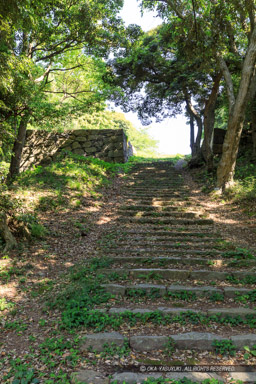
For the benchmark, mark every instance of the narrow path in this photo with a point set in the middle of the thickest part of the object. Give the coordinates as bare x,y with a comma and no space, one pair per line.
181,295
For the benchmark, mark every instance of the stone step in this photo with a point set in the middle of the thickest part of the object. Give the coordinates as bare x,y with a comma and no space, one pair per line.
127,377
177,274
234,312
156,200
166,241
170,214
156,194
165,290
159,252
146,208
158,188
164,221
161,228
174,234
199,341
191,261
159,183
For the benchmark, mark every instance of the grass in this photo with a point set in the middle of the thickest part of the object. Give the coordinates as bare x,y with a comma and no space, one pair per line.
61,186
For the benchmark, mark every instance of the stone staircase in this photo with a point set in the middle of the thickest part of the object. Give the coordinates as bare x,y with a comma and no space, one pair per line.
174,283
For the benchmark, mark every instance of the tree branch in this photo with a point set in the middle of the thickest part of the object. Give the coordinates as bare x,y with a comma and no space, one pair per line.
65,69
69,93
41,78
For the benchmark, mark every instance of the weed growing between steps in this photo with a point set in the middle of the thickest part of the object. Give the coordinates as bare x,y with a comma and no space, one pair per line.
224,347
77,303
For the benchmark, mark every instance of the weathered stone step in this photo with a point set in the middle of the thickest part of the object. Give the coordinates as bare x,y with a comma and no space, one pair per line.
163,290
168,241
156,199
176,221
191,261
178,274
163,214
158,188
154,194
161,228
95,377
158,252
233,312
174,234
146,208
160,183
200,341
175,202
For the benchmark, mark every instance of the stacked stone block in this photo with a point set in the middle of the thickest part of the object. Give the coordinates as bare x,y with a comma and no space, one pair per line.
42,147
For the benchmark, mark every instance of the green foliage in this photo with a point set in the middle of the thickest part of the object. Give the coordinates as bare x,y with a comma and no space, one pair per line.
57,347
216,297
69,173
153,293
183,295
13,271
246,280
61,75
113,350
36,229
250,352
5,305
249,297
21,373
224,347
170,347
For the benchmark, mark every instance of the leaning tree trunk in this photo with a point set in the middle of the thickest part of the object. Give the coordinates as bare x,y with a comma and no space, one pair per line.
209,121
18,147
237,109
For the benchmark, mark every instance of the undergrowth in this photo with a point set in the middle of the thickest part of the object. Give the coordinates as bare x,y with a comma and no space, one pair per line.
63,185
243,191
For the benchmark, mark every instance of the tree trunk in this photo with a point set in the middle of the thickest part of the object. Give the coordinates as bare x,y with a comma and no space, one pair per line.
209,121
194,115
198,136
18,147
192,135
237,108
253,124
5,232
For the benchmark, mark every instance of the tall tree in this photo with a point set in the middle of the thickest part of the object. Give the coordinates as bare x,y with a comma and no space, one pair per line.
223,31
162,66
40,35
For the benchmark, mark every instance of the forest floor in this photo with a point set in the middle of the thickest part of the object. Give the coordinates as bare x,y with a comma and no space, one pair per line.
41,327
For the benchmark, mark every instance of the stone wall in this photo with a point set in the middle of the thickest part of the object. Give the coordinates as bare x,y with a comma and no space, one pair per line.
218,140
219,137
42,147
